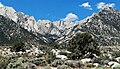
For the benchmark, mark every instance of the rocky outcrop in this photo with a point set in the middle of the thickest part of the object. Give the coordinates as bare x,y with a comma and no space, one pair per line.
27,22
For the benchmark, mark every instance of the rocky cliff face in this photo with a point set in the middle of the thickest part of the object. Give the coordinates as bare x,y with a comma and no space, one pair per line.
59,28
27,22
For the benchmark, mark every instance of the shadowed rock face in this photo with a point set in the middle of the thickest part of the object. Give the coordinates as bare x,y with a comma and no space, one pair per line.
11,32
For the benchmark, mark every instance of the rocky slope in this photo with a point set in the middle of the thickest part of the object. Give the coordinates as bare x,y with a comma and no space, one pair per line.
11,32
104,26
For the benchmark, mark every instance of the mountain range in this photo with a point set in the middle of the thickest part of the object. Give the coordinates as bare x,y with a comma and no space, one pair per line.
103,25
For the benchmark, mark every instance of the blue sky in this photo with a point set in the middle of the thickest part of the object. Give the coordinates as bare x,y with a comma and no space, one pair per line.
58,9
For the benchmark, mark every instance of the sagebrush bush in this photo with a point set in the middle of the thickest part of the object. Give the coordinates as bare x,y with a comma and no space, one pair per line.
21,63
47,67
62,67
38,61
73,64
56,63
50,57
117,67
116,53
3,63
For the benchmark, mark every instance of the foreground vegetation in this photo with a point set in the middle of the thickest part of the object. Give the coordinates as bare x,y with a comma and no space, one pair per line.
81,52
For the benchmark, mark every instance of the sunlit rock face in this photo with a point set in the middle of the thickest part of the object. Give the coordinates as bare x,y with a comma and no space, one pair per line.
58,28
44,26
8,12
27,22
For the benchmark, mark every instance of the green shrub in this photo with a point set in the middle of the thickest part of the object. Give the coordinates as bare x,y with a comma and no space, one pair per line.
54,45
73,64
62,67
21,66
89,65
81,44
47,67
3,63
106,62
116,53
101,59
18,46
50,57
56,63
21,63
38,61
117,67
